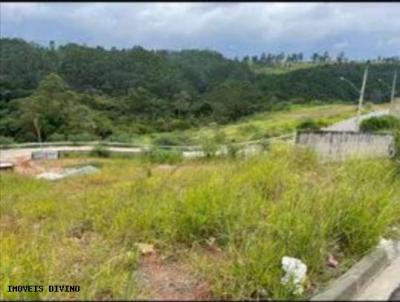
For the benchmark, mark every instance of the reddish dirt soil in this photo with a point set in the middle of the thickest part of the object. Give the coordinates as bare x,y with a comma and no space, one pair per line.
170,280
27,167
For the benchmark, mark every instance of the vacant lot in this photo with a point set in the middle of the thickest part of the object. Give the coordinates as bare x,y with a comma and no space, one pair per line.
214,228
261,125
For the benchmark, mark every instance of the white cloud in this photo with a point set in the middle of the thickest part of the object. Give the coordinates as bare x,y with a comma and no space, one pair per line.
184,25
341,45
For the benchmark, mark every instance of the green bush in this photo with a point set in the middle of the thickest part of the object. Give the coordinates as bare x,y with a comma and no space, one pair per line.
209,148
166,139
233,150
265,144
257,135
249,128
310,124
273,131
100,151
164,125
397,144
177,125
120,137
163,156
4,140
219,136
139,128
82,137
56,137
380,123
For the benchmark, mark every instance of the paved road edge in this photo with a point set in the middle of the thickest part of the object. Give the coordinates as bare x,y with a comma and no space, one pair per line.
348,285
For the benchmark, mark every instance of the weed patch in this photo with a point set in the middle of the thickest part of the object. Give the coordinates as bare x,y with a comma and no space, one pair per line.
234,218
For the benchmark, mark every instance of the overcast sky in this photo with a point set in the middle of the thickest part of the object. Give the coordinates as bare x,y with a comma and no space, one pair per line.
361,30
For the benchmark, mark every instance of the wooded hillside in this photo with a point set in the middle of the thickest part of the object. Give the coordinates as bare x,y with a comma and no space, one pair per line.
74,91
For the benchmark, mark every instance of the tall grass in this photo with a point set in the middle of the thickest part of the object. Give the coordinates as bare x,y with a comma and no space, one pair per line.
258,210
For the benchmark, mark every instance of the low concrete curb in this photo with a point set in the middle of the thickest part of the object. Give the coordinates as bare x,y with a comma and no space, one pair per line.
349,284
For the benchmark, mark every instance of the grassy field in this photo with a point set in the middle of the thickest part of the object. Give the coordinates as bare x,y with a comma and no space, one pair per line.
254,127
219,226
263,125
280,69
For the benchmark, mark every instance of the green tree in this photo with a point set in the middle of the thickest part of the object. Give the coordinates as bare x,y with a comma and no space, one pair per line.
232,99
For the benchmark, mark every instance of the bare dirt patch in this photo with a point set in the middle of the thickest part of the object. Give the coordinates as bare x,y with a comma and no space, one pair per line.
9,224
171,280
27,167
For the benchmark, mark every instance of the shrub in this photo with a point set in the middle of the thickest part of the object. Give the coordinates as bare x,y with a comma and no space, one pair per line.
273,131
368,106
100,151
249,128
4,140
57,137
379,123
310,124
265,144
397,144
219,136
163,156
120,137
232,149
257,136
139,128
166,139
178,125
82,137
209,148
280,106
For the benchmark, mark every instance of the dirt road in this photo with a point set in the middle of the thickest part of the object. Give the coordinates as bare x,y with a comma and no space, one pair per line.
351,123
11,155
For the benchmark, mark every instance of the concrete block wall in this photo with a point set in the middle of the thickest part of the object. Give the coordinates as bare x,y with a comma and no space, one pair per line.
44,154
340,145
395,108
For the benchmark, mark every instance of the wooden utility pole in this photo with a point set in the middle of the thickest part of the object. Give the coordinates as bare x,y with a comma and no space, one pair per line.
37,129
393,89
361,99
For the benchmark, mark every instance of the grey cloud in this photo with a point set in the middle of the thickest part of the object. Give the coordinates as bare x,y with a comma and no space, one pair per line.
246,27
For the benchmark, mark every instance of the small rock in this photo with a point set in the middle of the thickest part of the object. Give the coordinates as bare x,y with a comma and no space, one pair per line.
295,271
210,241
145,249
332,262
389,246
50,176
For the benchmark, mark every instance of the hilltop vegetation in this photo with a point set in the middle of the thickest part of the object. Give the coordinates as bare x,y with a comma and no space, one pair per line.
78,92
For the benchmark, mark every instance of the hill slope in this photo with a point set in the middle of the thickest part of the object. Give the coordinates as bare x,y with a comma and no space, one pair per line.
91,92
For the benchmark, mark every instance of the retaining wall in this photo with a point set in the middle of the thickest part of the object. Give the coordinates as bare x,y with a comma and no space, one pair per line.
395,108
340,145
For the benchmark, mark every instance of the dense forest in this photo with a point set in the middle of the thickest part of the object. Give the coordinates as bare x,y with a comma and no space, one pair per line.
77,92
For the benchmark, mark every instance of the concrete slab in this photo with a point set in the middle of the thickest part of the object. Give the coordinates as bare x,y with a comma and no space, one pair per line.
52,176
382,261
44,154
6,166
381,287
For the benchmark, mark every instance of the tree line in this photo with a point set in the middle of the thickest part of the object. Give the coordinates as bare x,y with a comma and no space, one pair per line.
271,59
76,92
